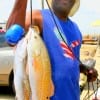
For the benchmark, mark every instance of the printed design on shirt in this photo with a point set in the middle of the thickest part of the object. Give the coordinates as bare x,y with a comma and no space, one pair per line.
66,50
75,43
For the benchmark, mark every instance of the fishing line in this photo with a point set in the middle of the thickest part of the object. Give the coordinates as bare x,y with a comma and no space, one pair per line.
31,7
31,12
42,4
94,91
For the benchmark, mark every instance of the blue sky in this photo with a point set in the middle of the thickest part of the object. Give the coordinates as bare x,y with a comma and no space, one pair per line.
88,12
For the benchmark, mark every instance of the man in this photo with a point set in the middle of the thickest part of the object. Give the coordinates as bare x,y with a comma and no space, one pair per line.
64,58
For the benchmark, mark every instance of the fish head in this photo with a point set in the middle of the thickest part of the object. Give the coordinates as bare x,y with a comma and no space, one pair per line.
35,42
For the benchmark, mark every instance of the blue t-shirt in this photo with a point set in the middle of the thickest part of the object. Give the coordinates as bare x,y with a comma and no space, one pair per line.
65,71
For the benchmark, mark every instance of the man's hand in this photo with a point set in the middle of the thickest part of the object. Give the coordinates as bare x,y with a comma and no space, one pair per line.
92,74
87,67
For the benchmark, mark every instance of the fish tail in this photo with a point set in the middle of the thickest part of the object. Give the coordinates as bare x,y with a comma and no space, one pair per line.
52,89
27,90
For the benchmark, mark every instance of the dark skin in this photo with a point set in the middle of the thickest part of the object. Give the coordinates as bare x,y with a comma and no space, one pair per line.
91,73
61,8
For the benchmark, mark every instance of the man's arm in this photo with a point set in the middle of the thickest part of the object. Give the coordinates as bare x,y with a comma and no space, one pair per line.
19,22
18,14
21,17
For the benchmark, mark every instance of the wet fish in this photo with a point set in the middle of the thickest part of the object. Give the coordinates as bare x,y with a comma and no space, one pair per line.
32,69
39,68
21,80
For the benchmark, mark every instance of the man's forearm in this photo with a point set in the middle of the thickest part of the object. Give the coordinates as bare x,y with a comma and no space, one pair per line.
18,14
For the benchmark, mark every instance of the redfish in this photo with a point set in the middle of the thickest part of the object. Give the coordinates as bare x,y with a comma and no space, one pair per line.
32,69
39,67
21,80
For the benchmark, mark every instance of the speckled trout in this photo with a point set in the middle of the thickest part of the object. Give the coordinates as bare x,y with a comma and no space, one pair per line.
39,68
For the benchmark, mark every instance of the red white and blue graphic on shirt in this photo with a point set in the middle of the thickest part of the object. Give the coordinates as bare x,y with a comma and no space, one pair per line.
67,51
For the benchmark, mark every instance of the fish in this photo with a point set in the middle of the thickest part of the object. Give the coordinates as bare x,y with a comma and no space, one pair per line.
21,80
32,68
39,67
